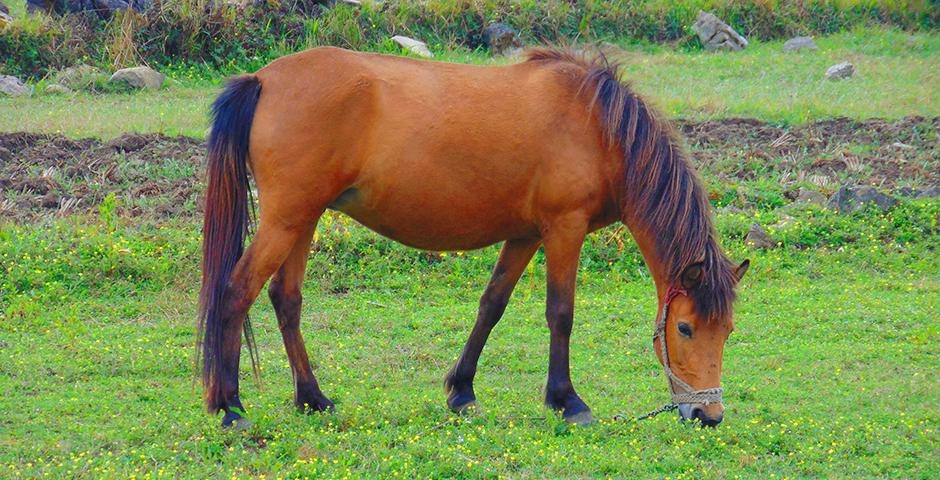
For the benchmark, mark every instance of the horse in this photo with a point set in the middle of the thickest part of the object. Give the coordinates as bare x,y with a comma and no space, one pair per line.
441,156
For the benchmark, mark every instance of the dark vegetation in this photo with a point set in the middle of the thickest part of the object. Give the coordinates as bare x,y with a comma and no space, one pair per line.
221,37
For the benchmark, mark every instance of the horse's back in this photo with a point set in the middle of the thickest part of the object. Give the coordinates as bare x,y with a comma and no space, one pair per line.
432,154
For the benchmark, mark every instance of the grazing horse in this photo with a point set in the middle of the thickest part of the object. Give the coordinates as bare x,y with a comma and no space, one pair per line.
441,156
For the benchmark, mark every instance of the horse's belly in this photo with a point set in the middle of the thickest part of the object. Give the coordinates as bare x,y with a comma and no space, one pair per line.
434,222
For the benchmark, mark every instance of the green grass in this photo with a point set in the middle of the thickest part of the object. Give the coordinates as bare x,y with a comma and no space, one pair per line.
897,76
829,371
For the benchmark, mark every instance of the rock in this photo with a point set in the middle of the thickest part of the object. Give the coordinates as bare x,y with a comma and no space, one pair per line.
414,46
730,210
852,199
840,71
139,77
501,39
79,77
12,86
45,6
5,19
758,238
929,192
717,35
245,3
4,9
906,192
56,89
806,196
103,8
785,222
796,44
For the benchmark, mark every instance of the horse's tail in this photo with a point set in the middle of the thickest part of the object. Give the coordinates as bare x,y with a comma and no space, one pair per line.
226,223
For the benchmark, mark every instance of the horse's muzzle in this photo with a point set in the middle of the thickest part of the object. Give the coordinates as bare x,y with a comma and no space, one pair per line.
709,415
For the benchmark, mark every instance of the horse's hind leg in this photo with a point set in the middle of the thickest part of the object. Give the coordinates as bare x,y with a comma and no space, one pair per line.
512,262
285,294
267,252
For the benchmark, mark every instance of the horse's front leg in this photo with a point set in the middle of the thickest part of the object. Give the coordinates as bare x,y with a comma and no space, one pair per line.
513,259
563,242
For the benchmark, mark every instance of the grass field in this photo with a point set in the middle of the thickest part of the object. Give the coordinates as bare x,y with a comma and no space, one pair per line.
831,371
897,76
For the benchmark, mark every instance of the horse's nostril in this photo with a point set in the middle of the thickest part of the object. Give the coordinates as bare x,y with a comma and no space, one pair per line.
705,419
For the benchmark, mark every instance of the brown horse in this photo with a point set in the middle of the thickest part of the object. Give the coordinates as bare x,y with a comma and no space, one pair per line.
456,157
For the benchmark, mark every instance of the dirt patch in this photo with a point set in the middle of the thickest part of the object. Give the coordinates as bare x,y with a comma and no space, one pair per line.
157,177
903,152
151,175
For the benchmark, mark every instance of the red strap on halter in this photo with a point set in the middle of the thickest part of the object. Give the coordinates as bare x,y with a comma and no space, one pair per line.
672,293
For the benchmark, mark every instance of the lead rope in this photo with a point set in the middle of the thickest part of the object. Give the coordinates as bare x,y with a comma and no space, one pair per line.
688,395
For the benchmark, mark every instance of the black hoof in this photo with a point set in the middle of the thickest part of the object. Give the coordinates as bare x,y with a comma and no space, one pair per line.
461,402
235,420
309,399
573,409
315,405
582,418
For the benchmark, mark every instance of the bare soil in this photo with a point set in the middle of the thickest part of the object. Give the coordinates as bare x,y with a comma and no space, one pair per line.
159,177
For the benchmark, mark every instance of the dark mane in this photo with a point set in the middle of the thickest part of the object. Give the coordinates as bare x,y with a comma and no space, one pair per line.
664,192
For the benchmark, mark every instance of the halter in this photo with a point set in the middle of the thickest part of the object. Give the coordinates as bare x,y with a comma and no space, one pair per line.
686,394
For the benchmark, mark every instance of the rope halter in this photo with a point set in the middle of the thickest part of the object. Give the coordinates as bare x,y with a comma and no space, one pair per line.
686,393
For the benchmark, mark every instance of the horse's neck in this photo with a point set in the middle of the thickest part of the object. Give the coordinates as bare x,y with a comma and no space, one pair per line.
647,244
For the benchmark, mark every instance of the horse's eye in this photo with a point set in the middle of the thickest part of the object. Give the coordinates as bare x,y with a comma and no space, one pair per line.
685,329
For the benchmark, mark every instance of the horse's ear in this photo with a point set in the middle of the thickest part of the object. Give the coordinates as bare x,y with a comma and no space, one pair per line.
692,276
741,270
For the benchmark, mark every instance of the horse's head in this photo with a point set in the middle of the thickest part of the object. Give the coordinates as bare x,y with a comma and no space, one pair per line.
694,348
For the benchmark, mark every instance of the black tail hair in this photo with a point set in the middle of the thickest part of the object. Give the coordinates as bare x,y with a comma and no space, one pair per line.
226,223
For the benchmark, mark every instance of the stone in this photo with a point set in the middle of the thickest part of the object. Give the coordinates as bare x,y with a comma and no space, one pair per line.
245,3
414,46
45,6
757,237
12,86
852,199
785,222
501,39
139,77
717,35
806,196
906,192
79,77
840,71
730,210
929,192
796,44
56,89
5,19
103,8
